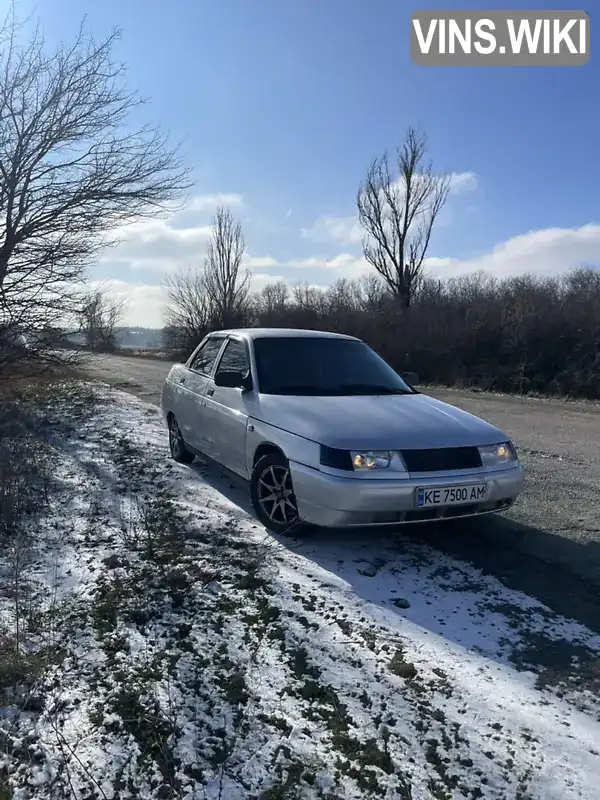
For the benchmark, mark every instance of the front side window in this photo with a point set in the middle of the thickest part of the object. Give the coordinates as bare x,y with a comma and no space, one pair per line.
323,366
205,358
234,358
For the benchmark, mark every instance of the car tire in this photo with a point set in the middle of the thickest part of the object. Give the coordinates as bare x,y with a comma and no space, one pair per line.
177,446
279,514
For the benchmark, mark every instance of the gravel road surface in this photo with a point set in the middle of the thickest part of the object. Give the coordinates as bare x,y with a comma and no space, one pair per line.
549,544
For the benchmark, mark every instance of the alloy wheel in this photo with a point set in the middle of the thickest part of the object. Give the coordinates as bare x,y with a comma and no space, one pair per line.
175,438
276,496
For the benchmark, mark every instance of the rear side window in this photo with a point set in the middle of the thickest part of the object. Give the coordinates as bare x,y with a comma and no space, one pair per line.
205,357
235,357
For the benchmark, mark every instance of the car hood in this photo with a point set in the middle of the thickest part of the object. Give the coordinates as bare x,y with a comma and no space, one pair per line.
384,422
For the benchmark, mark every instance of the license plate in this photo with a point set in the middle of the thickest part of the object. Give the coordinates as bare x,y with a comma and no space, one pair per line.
451,495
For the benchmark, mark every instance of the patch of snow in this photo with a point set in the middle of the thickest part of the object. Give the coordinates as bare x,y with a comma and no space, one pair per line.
345,664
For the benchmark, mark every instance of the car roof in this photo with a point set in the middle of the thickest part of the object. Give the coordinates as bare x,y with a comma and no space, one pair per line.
281,333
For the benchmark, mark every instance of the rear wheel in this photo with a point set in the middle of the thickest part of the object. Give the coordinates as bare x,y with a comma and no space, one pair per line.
179,451
273,495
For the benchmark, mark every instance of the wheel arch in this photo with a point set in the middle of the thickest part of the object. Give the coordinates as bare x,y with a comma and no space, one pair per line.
264,449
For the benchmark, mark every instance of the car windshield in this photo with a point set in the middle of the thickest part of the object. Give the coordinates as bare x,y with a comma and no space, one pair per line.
323,366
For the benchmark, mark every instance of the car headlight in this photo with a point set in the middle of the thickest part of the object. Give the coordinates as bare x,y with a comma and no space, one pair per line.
371,459
494,454
361,460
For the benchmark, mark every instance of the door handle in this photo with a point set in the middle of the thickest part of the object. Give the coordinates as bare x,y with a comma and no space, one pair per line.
210,392
181,380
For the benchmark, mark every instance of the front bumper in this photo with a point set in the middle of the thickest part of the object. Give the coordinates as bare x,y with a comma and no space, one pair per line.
332,502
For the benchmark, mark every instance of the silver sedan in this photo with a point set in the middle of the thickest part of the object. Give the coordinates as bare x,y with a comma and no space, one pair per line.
328,434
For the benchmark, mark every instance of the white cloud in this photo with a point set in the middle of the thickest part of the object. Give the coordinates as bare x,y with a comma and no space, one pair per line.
209,202
341,230
257,262
145,302
460,182
344,265
551,251
165,243
259,281
463,182
156,244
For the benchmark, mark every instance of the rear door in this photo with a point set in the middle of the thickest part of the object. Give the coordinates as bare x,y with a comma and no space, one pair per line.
193,382
227,410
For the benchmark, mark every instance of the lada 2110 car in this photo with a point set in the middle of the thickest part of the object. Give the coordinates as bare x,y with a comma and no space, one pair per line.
328,434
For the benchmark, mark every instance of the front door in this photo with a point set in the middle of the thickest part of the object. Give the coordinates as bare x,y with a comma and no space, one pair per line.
226,411
192,388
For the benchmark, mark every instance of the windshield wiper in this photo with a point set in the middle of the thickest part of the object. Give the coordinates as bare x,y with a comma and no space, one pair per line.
371,388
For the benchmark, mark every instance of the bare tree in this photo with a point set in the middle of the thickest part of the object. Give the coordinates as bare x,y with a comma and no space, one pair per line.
214,297
274,297
308,298
99,319
71,171
187,315
398,212
270,303
371,292
226,286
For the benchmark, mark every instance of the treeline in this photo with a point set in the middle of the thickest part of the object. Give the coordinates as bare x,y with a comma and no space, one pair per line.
520,334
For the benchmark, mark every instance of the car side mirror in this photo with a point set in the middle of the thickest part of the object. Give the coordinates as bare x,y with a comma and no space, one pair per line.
233,379
411,378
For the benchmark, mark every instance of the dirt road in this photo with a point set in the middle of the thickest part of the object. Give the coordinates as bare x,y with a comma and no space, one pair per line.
557,521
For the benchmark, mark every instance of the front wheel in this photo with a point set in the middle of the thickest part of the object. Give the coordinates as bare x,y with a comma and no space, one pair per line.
179,451
273,495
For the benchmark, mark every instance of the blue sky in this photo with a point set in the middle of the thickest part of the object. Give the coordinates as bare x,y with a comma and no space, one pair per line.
281,105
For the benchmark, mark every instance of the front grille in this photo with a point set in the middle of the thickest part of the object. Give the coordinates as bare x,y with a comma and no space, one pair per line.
441,459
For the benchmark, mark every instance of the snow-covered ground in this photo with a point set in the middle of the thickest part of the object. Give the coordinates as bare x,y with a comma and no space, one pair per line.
188,654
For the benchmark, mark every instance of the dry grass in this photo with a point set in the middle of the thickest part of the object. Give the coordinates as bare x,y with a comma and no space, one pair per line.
34,378
32,424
